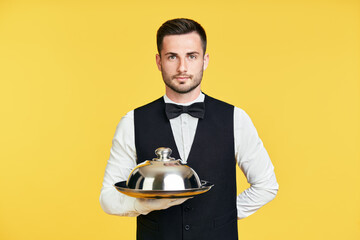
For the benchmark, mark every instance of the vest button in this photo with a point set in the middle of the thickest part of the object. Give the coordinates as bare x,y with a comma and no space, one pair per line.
187,227
187,208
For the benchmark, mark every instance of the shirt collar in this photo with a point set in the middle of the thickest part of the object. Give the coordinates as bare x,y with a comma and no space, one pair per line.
200,98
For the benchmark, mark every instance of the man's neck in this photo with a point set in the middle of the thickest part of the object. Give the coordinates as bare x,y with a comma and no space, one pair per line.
182,97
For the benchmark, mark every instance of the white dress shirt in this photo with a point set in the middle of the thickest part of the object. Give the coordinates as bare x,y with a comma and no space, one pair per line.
250,155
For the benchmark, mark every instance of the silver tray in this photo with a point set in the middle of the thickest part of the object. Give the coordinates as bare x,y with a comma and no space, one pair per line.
121,187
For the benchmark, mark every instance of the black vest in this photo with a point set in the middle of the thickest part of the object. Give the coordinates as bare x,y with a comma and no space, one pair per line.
212,215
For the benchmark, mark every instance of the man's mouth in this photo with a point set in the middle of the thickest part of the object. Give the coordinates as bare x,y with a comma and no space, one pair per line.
182,77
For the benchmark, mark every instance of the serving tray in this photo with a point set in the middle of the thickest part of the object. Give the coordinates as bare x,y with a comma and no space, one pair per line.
121,187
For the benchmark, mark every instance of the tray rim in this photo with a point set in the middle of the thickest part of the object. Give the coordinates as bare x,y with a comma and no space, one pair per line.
205,186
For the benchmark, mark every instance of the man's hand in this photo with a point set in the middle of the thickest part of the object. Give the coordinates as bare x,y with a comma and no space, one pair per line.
144,206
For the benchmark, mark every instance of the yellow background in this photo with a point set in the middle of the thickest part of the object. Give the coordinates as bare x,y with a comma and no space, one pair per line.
70,70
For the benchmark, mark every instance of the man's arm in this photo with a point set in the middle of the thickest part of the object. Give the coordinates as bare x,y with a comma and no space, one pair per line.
121,162
256,165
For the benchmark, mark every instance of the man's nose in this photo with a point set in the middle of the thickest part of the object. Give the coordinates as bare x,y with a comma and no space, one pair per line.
182,65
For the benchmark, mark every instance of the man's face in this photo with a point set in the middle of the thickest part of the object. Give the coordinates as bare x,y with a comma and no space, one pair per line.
182,62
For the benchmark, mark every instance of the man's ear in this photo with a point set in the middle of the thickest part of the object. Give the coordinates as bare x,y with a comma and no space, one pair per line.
158,61
206,61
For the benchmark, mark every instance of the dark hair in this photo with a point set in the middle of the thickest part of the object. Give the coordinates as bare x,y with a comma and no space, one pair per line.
180,26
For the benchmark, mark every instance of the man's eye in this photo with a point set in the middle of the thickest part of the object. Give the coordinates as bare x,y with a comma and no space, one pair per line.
172,57
192,57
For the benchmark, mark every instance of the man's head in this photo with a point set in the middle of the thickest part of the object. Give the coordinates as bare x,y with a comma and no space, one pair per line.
180,26
181,58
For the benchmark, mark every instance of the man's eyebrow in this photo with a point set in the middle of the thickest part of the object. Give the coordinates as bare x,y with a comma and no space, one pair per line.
171,53
189,53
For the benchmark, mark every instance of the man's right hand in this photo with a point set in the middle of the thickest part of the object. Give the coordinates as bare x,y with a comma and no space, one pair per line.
144,206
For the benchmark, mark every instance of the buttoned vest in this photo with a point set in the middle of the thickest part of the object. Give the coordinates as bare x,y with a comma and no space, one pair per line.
209,216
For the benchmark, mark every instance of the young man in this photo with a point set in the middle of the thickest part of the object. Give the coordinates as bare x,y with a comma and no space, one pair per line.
211,141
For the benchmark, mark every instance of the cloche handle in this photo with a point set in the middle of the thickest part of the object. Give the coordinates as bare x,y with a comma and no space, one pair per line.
163,154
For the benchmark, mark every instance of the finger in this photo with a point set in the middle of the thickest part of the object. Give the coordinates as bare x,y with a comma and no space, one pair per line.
177,201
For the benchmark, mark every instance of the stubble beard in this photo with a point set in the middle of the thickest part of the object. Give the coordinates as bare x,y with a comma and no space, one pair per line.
178,88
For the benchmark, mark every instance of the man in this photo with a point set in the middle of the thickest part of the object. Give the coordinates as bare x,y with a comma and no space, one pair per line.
211,142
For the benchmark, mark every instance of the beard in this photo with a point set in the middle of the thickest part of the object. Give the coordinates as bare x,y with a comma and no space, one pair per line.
182,88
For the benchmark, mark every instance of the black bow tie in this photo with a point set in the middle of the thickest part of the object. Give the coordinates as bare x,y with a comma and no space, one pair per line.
196,110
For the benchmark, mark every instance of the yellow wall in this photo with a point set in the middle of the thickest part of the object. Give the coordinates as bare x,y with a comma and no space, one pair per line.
69,70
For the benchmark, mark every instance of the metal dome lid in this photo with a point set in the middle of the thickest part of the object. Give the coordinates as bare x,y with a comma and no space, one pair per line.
163,173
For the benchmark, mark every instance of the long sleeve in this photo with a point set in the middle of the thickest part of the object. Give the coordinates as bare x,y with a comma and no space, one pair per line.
256,165
121,161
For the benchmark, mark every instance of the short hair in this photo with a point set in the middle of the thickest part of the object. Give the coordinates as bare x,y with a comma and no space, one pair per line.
180,26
